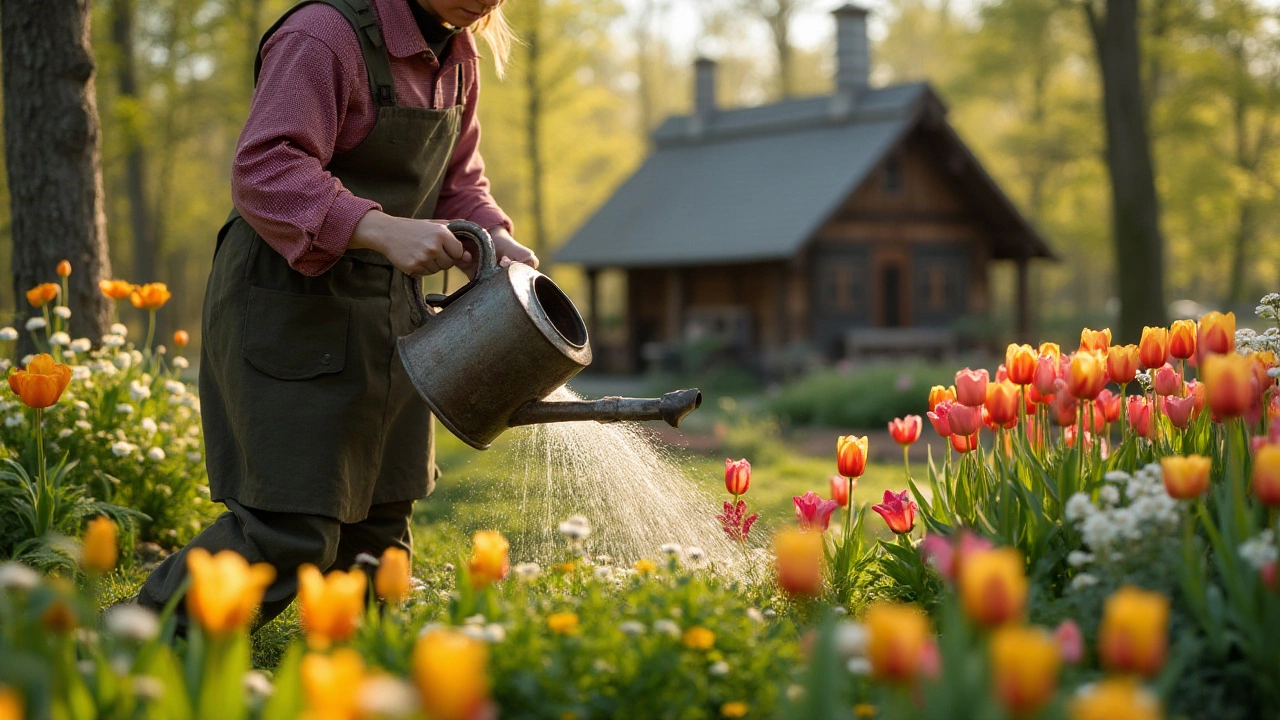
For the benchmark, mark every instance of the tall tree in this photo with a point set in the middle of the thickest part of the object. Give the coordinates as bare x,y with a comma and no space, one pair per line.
146,241
777,16
53,160
1135,208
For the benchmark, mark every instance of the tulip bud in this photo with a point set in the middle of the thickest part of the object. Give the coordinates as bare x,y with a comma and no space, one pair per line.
1021,360
971,387
392,579
898,511
181,338
1095,340
1166,381
1153,349
1266,474
851,455
99,552
993,586
906,430
1216,334
64,268
1182,339
896,640
1134,633
799,562
1122,363
488,562
1185,478
840,488
737,476
1024,668
1140,416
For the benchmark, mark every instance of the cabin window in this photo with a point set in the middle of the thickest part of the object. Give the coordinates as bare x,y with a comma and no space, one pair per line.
893,175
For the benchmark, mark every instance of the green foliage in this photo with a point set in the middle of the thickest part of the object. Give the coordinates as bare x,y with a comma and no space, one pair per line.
860,397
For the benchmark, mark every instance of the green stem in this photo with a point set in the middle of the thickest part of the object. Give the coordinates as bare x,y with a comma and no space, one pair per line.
906,463
151,333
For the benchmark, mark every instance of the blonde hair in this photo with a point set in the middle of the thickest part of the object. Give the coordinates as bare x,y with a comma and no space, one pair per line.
498,35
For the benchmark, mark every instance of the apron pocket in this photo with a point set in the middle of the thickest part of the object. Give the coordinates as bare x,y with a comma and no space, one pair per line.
295,337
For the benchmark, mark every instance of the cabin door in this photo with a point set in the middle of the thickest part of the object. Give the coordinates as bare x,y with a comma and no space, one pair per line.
892,306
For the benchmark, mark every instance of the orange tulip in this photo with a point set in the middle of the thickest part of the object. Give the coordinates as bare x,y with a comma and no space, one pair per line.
1228,381
1002,403
896,639
181,338
1020,361
42,293
11,705
737,476
115,289
42,383
1115,698
1216,334
332,604
451,672
1087,375
64,268
225,590
1182,339
1266,474
993,586
1095,340
963,443
151,296
1024,668
1122,363
332,684
798,562
392,579
1153,349
1134,633
906,430
1185,478
99,552
488,562
938,393
851,455
840,487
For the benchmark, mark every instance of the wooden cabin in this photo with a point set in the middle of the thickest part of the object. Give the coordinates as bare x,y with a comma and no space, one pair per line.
845,224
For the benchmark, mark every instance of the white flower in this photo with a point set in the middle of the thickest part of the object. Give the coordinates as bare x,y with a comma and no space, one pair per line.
63,312
84,425
495,633
851,639
1078,558
384,696
148,425
193,457
65,433
632,628
527,570
139,391
8,333
137,359
754,615
719,668
770,613
173,387
36,323
1079,507
666,627
156,454
181,363
113,341
1109,495
14,420
124,409
604,574
80,373
258,684
1082,581
123,448
132,622
119,329
476,620
80,345
147,687
26,360
474,632
18,576
858,666
1259,551
123,361
574,531
60,339
671,549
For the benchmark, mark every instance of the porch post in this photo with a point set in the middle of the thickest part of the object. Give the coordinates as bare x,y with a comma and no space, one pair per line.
1023,323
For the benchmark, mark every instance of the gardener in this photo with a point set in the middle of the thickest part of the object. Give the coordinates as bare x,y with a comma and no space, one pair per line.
362,127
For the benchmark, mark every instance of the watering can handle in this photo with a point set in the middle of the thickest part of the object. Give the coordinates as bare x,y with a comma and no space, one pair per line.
487,266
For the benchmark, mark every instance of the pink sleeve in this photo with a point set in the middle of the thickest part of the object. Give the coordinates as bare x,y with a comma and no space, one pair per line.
465,194
278,180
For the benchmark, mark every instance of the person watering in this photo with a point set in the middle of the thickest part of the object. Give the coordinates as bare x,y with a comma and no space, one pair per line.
362,128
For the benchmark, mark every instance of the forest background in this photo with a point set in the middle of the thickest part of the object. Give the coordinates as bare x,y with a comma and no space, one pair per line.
593,77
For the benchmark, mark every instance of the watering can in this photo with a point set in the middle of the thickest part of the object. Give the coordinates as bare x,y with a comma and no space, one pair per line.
484,357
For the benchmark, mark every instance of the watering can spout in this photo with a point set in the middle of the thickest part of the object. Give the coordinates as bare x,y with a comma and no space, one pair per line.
671,408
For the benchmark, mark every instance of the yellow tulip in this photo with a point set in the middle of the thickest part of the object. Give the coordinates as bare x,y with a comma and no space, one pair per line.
1113,699
1095,340
1185,478
225,590
1134,632
1024,668
392,578
851,455
564,623
42,383
99,552
1122,363
332,604
938,393
1266,474
488,562
42,293
1020,363
993,586
11,704
151,296
699,638
798,561
1216,334
449,669
1153,348
332,684
1087,374
896,640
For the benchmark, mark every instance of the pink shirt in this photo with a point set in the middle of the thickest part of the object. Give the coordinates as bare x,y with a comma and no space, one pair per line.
313,102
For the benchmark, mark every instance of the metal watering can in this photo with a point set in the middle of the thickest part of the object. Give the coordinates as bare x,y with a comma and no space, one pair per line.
497,346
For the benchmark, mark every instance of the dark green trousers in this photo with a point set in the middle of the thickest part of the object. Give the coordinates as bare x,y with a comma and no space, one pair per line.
286,541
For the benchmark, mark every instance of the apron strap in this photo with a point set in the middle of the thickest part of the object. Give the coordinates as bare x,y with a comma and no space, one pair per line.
365,23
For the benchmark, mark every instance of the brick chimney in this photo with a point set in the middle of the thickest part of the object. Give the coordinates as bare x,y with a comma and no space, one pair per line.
853,49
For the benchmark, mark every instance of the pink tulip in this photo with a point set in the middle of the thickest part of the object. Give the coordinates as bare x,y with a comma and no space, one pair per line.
1166,380
965,420
938,417
1070,641
1179,410
905,430
1047,373
1140,416
737,476
840,489
971,387
814,512
898,511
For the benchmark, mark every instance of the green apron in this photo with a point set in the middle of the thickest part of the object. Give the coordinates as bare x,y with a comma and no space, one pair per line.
306,405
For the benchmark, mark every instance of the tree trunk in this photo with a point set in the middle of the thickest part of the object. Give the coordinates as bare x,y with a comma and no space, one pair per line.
1135,211
533,125
53,158
146,244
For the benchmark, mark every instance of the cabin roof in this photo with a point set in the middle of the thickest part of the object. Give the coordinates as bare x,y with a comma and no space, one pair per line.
755,184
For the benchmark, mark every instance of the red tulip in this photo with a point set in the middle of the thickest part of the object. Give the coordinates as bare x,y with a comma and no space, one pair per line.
965,419
964,443
1179,409
938,417
1182,339
1140,416
1048,370
1166,381
1110,404
1197,390
971,387
898,511
851,455
905,431
840,487
814,512
737,476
